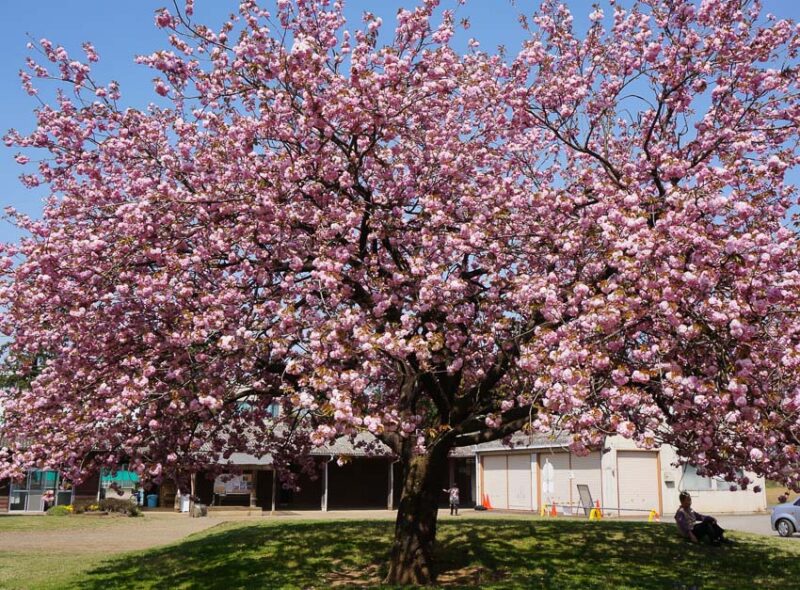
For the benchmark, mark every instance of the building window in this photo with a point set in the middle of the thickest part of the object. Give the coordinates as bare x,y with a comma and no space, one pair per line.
273,410
123,480
692,482
38,491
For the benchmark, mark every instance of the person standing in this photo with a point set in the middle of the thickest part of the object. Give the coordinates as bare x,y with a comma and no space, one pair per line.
453,496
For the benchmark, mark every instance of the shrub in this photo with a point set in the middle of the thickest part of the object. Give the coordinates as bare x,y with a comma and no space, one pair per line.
111,505
59,511
79,507
119,506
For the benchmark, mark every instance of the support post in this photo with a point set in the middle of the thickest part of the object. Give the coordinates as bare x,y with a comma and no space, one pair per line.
324,506
451,465
253,497
192,489
390,494
274,489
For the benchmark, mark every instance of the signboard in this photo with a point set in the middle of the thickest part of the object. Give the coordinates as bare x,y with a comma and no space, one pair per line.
233,484
548,479
586,498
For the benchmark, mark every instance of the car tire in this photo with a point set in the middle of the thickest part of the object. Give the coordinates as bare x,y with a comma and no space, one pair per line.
784,527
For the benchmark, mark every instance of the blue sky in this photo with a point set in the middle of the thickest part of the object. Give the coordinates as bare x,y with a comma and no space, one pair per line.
121,30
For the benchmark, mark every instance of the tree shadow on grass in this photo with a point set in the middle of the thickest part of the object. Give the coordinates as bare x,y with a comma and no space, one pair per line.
290,555
499,554
587,555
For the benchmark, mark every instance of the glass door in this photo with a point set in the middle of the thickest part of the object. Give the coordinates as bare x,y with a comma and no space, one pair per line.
36,481
18,500
29,495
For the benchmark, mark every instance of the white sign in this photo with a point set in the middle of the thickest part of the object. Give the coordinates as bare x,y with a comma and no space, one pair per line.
548,478
233,484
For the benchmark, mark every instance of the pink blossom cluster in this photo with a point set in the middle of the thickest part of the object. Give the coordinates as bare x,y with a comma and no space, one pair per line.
434,247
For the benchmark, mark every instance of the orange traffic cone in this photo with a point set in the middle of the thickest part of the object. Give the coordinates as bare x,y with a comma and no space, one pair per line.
488,503
553,510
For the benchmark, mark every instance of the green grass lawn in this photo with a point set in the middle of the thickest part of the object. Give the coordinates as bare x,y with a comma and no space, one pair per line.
29,569
499,554
773,489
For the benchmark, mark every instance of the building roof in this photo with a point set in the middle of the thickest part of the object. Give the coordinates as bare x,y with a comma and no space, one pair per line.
460,452
246,459
520,440
365,444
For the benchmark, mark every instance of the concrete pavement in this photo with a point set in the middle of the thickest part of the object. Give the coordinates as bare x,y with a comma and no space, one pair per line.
749,523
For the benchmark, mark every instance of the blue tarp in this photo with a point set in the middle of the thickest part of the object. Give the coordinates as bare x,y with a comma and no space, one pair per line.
121,477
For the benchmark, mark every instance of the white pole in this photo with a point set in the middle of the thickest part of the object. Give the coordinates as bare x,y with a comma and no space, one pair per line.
274,488
325,484
191,494
253,499
390,497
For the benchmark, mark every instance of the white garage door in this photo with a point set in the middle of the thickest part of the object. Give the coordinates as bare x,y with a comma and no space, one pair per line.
638,481
561,473
495,480
587,472
520,485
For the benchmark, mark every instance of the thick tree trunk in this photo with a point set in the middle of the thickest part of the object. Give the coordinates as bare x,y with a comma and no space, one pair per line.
411,561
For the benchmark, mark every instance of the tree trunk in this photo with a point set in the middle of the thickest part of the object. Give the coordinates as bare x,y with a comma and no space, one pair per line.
411,562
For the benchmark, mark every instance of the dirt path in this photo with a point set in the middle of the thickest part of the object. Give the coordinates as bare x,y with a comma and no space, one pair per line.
108,534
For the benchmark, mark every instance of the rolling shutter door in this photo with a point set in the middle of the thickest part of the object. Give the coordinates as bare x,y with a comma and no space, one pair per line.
637,482
560,463
495,478
520,486
587,472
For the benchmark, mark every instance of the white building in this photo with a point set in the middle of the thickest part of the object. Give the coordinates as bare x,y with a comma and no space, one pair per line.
626,480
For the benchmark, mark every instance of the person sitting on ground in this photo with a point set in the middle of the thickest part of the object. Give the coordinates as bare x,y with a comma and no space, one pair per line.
453,496
697,527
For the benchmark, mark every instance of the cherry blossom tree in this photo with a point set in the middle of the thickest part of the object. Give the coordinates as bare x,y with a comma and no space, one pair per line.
438,247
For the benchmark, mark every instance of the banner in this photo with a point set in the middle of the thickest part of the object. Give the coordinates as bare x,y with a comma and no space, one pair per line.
233,484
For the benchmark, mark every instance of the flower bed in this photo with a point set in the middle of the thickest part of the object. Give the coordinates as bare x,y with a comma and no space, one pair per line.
103,507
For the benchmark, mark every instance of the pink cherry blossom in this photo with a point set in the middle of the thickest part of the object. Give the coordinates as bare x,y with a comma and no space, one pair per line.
594,234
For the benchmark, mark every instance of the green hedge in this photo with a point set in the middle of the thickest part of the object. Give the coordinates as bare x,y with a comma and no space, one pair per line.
59,511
